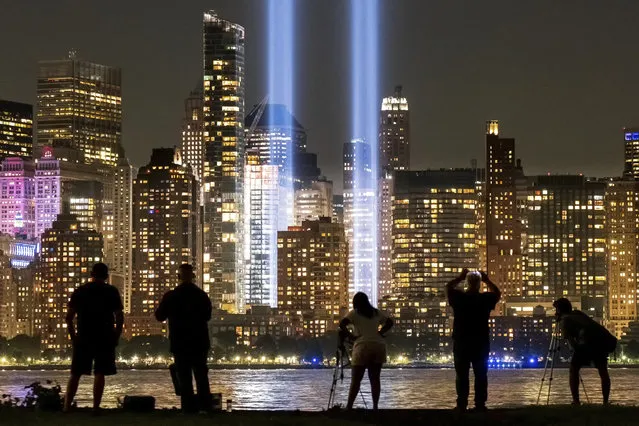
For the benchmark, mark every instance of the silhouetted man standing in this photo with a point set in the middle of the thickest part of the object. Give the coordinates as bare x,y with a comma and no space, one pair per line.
100,319
471,340
188,310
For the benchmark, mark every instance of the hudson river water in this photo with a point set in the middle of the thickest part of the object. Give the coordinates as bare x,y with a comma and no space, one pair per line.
309,389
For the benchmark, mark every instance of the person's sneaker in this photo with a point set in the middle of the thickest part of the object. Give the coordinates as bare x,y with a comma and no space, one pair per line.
479,409
575,403
459,409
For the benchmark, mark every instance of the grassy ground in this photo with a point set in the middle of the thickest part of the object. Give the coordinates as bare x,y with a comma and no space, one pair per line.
582,416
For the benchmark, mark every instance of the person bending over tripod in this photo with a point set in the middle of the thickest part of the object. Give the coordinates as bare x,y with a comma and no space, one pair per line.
369,350
471,344
591,343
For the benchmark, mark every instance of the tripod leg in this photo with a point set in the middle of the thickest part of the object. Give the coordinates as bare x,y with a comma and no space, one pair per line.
555,349
543,378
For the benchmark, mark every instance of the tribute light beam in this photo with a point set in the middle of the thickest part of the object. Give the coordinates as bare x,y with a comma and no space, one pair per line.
365,99
281,83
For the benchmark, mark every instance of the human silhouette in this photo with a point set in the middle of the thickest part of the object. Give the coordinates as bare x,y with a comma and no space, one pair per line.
188,310
471,340
369,349
591,343
98,308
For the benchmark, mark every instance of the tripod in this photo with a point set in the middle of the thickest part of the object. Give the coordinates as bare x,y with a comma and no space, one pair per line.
342,360
553,352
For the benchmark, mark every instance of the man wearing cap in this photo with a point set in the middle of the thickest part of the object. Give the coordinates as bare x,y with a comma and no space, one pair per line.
98,307
471,340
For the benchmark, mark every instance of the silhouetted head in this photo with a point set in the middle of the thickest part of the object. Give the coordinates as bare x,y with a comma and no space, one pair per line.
100,272
186,273
363,306
563,306
474,281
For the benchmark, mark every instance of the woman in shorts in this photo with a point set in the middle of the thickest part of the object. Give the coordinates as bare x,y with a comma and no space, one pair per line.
369,350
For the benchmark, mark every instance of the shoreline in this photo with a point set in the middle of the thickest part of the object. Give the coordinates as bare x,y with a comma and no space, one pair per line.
160,367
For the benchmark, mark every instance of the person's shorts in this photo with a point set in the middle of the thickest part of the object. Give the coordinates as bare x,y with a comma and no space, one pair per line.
368,353
90,357
586,358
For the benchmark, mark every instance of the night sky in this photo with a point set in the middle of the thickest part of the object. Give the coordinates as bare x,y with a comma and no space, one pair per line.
560,76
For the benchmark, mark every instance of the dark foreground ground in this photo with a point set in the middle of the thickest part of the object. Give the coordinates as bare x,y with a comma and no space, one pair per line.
559,415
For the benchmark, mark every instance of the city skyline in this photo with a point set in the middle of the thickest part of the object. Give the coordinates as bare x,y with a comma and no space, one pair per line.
439,80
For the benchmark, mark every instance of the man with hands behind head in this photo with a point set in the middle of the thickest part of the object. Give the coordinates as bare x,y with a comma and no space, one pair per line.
471,340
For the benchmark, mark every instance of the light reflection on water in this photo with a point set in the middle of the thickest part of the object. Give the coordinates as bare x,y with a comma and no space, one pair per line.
309,389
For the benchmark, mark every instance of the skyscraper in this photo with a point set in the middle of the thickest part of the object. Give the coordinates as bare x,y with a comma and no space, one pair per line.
192,124
566,241
622,244
314,201
503,226
631,144
434,226
223,172
80,106
67,256
53,183
16,129
394,132
122,255
261,222
360,217
85,200
385,239
313,274
165,209
17,189
276,135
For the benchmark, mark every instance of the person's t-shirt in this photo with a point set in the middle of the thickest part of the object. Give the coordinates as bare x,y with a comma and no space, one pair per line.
96,304
471,312
188,310
367,329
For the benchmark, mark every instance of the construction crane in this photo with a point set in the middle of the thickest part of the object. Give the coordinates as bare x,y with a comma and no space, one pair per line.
258,116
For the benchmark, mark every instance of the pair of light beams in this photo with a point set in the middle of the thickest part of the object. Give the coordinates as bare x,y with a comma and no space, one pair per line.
364,39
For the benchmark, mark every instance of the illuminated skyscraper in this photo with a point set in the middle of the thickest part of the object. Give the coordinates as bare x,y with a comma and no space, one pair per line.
165,210
8,298
631,143
17,190
192,124
122,256
16,129
276,135
622,242
223,172
385,239
503,225
313,274
85,200
67,256
314,201
53,183
360,218
261,205
394,132
566,241
338,208
80,106
434,226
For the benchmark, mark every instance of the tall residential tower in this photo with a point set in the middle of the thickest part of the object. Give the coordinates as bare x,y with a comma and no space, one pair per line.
223,171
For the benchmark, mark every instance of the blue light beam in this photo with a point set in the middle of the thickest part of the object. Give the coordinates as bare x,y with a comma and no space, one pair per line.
281,83
364,115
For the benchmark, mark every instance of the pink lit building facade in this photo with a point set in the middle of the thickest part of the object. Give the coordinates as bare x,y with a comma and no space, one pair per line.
17,201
